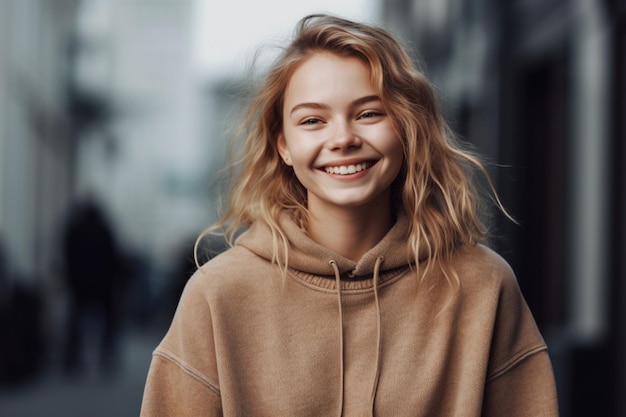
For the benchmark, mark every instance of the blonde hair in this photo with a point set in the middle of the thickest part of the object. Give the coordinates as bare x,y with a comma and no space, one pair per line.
434,187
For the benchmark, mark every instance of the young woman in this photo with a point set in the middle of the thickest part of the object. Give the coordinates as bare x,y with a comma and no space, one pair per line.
360,286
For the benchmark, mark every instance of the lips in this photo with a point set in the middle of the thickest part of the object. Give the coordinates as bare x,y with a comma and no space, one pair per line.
349,168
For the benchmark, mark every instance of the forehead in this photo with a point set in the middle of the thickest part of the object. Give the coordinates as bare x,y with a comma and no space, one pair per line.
326,75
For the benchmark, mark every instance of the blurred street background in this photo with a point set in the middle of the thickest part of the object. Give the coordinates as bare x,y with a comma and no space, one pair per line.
114,121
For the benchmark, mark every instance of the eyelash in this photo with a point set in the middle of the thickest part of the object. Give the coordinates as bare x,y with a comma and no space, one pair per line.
365,115
369,114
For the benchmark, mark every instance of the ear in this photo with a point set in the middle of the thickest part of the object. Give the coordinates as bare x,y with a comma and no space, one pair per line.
283,150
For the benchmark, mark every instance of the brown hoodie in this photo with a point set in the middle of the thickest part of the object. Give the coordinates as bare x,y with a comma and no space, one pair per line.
245,342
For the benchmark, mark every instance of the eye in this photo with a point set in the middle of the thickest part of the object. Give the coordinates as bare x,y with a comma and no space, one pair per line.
311,121
369,114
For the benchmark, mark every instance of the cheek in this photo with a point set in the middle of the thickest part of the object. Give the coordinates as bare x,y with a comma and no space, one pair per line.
302,175
391,145
396,155
299,159
303,153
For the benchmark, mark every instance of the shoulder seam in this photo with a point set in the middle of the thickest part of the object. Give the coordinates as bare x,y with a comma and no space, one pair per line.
169,356
515,360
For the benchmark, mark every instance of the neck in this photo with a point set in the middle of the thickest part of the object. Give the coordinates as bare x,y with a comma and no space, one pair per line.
350,232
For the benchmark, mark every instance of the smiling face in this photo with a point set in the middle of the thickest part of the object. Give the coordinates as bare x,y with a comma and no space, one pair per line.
337,136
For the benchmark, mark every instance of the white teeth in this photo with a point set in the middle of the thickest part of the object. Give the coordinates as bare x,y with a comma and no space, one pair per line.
347,169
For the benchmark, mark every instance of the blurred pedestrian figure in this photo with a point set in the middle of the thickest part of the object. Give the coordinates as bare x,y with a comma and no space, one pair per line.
93,271
22,346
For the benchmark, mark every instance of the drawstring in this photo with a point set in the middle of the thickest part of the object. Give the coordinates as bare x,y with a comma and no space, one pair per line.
376,277
379,261
341,364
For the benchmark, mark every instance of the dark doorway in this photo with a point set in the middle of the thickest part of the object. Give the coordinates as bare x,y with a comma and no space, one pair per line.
535,186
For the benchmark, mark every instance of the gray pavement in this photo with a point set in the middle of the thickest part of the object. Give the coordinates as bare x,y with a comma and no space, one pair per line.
89,395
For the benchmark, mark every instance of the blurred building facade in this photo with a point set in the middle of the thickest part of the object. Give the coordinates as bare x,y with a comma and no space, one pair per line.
36,137
37,149
147,159
97,102
539,87
100,103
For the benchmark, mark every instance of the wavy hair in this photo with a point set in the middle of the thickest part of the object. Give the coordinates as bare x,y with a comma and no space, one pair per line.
435,186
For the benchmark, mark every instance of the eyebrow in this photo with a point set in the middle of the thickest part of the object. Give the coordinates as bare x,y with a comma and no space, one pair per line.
355,103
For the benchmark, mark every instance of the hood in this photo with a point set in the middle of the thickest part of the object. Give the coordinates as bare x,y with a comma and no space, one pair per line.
308,256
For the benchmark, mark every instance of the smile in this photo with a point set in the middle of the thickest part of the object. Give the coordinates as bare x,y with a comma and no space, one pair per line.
348,169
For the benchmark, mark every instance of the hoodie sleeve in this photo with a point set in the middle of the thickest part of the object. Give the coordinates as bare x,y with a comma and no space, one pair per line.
520,380
182,380
525,390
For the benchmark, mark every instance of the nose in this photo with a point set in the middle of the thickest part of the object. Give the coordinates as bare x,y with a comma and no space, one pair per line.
343,137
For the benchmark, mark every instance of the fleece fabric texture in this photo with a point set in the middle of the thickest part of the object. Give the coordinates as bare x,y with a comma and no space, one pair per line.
247,342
